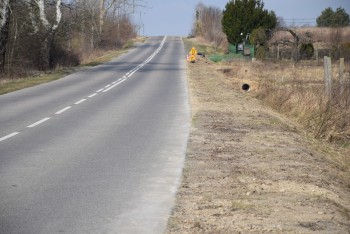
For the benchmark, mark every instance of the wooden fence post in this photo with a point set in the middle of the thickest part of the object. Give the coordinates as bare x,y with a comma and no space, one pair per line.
342,76
328,75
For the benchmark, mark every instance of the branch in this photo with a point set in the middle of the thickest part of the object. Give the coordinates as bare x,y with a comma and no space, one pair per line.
296,37
30,6
58,15
283,42
42,16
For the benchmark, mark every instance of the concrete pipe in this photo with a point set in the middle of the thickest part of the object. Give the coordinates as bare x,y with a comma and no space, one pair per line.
245,87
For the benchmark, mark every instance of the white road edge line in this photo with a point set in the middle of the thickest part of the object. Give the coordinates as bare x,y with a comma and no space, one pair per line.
39,122
100,90
8,136
81,101
63,110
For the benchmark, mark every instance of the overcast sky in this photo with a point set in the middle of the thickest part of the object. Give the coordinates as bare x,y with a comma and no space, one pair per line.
175,17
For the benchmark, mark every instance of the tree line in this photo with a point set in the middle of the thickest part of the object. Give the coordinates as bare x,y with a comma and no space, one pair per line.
45,34
330,18
242,19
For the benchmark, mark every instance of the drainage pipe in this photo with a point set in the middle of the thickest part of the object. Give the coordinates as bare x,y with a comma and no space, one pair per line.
245,87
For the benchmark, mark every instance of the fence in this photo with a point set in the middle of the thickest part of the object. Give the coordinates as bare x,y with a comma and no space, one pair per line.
235,52
336,87
289,53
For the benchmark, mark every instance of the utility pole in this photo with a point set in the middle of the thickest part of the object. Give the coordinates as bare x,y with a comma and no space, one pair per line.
140,23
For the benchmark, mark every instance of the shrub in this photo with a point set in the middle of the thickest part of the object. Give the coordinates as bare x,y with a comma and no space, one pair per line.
345,51
260,53
306,51
258,37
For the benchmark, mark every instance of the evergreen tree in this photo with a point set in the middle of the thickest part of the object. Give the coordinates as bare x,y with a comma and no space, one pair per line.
341,18
243,16
330,18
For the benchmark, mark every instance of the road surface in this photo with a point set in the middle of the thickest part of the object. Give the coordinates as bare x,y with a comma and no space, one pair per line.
99,151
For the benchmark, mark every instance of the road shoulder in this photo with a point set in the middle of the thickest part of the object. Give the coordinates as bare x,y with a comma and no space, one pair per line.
249,169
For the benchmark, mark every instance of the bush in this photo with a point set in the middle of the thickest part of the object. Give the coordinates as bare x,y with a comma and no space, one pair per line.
345,51
306,51
258,37
62,57
341,51
260,53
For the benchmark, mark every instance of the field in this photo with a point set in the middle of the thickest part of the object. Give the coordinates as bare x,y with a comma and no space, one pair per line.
324,35
298,91
251,169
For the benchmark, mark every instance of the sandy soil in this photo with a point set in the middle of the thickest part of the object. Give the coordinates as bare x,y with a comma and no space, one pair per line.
250,170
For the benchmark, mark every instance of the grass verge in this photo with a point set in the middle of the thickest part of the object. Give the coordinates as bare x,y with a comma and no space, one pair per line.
249,169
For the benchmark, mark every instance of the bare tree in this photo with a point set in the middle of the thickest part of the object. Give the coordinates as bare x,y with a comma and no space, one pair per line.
208,23
44,34
39,18
4,31
93,15
295,42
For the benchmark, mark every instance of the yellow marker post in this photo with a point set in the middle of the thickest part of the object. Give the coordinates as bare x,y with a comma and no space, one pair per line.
192,55
193,58
193,51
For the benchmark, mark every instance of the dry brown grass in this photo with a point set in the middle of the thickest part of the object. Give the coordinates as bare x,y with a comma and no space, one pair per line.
249,169
297,90
319,34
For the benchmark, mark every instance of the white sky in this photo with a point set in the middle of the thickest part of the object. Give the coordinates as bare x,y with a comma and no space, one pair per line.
175,17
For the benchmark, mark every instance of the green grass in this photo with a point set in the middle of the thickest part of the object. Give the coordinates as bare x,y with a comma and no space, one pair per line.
211,52
10,85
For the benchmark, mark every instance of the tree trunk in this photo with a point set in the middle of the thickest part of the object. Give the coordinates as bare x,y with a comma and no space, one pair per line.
46,52
4,34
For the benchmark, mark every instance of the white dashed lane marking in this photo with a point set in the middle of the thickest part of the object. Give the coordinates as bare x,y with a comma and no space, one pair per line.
39,122
92,95
81,101
63,110
8,136
104,90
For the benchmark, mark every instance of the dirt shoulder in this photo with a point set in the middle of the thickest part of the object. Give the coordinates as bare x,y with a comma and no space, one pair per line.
250,170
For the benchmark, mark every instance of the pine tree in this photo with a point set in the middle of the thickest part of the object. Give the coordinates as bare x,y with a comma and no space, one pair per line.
330,18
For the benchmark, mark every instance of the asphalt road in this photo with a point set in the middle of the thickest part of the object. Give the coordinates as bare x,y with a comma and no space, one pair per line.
99,151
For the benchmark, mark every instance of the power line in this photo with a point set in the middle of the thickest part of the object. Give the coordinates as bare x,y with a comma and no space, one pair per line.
301,19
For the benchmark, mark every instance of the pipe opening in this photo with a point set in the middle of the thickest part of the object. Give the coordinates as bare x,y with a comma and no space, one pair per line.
246,87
